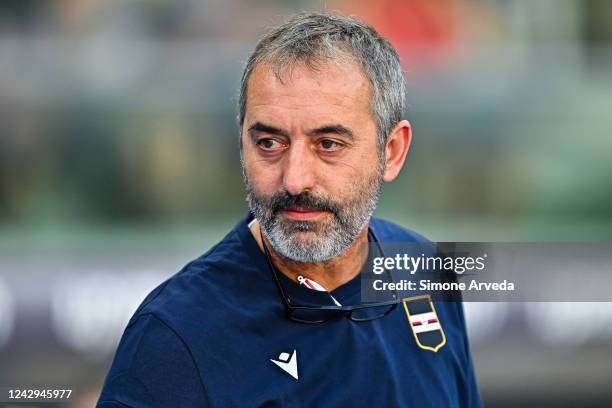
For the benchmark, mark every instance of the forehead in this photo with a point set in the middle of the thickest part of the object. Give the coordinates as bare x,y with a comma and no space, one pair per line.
323,93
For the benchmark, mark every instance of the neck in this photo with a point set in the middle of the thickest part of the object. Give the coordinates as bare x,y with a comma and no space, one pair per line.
330,274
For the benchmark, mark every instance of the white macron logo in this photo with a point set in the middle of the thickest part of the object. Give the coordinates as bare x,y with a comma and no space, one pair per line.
289,365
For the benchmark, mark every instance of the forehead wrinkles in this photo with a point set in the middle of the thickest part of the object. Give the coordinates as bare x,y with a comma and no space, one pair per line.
302,86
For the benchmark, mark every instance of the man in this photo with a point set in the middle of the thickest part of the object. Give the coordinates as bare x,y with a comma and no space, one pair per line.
271,315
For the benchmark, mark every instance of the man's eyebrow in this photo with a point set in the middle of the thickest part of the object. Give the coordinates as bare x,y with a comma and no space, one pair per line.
323,130
262,127
337,129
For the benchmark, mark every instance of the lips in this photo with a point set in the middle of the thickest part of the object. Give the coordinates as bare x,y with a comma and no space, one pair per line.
302,213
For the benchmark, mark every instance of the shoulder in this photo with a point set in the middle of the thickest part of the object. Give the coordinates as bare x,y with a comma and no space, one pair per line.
392,233
389,231
159,348
207,292
197,284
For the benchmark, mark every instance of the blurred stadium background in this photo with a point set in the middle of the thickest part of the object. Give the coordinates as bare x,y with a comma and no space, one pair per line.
119,163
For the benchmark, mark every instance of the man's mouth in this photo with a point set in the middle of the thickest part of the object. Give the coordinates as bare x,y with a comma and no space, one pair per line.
303,213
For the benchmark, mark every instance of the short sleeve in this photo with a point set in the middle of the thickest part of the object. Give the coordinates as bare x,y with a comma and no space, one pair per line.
152,368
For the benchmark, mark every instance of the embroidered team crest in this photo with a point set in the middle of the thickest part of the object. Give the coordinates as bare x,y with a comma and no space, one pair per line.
424,322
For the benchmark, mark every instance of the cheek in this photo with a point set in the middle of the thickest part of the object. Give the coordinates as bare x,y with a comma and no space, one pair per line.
355,169
341,184
360,179
263,178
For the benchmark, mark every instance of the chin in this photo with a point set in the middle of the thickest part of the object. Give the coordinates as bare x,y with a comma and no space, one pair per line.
293,227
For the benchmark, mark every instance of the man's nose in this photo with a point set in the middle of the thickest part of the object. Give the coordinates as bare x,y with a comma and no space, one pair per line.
298,174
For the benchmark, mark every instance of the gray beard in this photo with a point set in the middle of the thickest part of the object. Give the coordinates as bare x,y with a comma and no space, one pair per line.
322,241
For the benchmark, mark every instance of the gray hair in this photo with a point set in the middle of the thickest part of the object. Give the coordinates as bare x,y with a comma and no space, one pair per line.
319,37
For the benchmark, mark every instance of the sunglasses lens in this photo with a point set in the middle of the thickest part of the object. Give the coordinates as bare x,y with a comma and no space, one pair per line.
305,315
371,313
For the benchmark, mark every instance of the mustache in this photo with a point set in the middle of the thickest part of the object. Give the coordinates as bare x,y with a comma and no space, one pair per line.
283,201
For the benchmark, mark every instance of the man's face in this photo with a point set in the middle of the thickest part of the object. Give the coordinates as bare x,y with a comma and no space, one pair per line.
310,161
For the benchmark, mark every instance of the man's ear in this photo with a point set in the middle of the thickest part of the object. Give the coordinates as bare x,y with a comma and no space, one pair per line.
397,149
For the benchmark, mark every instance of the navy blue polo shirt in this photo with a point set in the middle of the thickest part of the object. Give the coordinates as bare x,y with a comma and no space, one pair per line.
217,334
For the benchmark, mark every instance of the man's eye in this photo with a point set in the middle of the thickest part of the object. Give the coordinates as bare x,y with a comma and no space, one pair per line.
329,145
269,144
